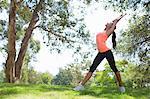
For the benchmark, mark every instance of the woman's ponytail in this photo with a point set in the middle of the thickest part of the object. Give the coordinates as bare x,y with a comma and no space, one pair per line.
114,40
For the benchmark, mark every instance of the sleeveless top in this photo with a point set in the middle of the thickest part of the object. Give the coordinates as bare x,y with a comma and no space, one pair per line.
101,42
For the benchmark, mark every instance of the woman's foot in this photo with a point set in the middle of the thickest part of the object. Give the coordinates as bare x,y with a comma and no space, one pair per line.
122,89
79,87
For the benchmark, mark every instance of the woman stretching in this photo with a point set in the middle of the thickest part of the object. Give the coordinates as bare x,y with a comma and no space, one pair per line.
104,52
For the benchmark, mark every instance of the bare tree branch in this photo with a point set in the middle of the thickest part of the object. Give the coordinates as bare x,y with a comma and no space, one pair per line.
19,2
146,39
146,3
56,34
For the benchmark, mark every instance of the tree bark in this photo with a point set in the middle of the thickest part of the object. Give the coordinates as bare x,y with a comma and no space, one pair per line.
10,62
23,49
25,41
12,68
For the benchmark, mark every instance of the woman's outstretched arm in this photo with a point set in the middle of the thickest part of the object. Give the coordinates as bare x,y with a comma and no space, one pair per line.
114,24
121,16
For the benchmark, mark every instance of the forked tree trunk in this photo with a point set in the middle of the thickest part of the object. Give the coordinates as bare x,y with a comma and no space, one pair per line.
23,49
25,41
12,68
10,62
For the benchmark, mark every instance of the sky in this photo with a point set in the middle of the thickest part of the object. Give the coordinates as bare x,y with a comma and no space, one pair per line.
95,20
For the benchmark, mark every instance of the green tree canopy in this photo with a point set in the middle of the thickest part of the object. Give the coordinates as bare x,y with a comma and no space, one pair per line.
59,24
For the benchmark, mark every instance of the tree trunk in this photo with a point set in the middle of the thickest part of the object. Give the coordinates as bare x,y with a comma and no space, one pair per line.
23,49
12,68
25,41
10,62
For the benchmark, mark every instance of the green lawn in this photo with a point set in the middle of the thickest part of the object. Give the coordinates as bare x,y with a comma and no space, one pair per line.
18,91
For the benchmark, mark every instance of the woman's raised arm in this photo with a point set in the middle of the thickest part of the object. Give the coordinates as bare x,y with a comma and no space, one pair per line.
114,24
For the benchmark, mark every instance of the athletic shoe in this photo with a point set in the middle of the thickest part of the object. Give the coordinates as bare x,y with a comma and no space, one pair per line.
122,89
78,88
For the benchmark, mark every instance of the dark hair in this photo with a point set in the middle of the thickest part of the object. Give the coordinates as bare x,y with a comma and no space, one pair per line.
114,39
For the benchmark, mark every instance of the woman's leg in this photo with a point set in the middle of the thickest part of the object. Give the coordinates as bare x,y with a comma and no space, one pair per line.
96,62
119,78
111,61
86,78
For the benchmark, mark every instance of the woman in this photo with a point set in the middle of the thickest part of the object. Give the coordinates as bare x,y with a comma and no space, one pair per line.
104,52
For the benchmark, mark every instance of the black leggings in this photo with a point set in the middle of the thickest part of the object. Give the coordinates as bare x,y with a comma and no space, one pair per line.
100,56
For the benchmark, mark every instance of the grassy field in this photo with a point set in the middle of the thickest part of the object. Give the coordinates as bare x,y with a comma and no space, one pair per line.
21,91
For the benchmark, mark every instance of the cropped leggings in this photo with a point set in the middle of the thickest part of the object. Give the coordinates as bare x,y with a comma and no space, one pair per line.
100,56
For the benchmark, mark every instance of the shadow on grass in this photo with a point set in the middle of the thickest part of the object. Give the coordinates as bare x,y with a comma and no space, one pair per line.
110,92
138,92
100,92
54,88
10,89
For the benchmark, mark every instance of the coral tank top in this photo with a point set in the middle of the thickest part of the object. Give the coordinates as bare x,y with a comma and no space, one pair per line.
101,42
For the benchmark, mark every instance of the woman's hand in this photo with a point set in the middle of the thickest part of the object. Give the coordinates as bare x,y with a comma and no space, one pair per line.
110,31
121,16
117,19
